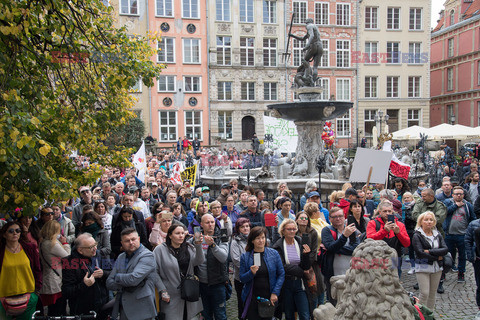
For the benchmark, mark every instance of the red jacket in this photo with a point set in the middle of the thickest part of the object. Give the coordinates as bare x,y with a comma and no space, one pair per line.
345,205
382,234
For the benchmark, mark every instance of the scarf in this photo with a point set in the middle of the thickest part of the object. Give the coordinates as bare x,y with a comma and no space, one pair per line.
285,250
127,224
93,229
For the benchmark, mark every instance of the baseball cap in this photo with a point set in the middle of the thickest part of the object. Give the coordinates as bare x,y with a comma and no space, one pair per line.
132,189
205,189
154,184
226,186
313,194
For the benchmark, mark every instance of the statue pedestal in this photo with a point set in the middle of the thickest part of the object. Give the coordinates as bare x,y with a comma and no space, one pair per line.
309,93
310,144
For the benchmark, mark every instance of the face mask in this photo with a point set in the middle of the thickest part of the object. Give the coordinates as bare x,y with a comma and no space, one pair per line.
421,189
58,236
206,196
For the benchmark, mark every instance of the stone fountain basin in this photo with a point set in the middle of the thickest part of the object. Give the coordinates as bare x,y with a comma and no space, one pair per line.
311,110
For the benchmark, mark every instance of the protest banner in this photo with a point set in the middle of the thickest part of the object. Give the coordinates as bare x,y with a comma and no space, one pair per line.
370,165
284,133
176,177
190,173
140,163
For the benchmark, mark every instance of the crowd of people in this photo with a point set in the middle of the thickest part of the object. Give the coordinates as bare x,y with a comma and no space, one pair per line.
124,240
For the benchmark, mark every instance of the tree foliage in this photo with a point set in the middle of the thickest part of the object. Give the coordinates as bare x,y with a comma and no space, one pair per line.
128,135
65,74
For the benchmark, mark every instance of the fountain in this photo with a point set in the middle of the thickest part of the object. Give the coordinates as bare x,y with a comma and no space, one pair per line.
310,114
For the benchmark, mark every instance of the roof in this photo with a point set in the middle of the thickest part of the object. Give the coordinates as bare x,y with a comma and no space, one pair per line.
440,23
472,10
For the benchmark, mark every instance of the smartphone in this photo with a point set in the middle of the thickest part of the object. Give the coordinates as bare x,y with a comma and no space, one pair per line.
257,259
305,239
197,233
223,235
89,271
391,218
224,208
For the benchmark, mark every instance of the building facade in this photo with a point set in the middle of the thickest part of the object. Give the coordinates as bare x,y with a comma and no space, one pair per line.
393,65
246,70
455,65
336,21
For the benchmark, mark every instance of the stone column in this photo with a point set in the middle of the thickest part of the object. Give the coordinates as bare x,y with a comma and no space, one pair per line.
310,143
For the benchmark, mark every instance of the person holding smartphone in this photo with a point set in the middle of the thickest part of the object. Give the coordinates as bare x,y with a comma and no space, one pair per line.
388,228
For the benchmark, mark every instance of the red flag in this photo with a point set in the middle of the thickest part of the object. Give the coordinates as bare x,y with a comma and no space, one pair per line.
399,170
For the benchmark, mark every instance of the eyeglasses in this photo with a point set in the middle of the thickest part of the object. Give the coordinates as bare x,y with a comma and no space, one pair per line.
458,194
84,191
291,229
47,213
12,231
91,247
303,218
216,207
336,217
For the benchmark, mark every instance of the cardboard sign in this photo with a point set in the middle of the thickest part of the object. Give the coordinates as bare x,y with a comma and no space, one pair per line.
365,159
189,173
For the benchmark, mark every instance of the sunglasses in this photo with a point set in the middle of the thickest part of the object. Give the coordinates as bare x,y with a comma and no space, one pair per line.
84,191
12,231
303,218
47,213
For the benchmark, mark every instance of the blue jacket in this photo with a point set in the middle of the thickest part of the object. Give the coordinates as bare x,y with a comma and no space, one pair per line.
276,273
370,205
470,240
443,197
451,208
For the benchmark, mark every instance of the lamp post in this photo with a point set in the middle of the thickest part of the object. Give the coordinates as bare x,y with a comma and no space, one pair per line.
268,139
379,118
321,162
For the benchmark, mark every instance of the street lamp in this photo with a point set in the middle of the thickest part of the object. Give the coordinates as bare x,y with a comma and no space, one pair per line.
379,118
268,139
321,163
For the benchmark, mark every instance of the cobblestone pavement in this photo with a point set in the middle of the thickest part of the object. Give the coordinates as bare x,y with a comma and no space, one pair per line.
457,303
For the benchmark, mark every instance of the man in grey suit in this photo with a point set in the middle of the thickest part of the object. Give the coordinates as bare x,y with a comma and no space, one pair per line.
133,277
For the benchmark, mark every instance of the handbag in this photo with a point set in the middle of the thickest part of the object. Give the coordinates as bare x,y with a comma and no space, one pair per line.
190,288
15,305
311,280
447,262
265,308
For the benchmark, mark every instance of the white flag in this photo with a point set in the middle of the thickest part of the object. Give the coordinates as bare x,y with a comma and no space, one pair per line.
177,169
140,163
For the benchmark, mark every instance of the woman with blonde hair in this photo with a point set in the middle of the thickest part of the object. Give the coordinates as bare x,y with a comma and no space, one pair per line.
53,248
430,248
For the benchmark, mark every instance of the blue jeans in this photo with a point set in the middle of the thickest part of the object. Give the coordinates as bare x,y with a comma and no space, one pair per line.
295,299
214,301
453,242
476,268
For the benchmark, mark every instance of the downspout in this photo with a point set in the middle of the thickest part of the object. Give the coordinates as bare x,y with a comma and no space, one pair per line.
285,47
149,88
357,68
208,77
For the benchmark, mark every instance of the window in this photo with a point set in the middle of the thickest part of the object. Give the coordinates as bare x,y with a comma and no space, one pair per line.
392,87
297,52
168,125
325,85
225,127
414,87
247,54
392,121
371,18
224,91
191,50
247,91
393,55
137,88
371,87
415,19
413,117
300,10
343,126
166,50
452,17
321,13
224,51
393,18
270,91
192,84
269,11
129,7
164,8
343,14
450,79
451,50
222,10
324,62
369,122
343,89
190,9
414,52
269,52
371,52
343,53
478,73
166,83
193,125
450,114
246,10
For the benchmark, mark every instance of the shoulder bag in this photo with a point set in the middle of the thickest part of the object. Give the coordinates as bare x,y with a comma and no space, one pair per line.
190,288
15,305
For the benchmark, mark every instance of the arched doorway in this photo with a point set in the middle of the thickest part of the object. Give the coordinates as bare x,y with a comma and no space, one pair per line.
248,127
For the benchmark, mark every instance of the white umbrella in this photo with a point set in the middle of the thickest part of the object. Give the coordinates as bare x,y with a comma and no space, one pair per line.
441,132
467,132
412,132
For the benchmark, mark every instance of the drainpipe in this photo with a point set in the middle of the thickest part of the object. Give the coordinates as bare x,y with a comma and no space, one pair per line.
208,76
357,68
149,88
285,47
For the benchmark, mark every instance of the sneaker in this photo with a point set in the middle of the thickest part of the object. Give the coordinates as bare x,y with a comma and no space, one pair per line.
454,268
411,271
461,277
415,286
440,288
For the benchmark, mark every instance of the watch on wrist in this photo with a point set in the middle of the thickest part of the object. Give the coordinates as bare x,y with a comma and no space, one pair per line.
213,245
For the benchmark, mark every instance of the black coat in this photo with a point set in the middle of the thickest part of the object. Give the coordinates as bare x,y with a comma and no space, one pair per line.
82,299
115,237
290,269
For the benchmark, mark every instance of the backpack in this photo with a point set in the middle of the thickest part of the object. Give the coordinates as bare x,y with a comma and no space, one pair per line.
322,255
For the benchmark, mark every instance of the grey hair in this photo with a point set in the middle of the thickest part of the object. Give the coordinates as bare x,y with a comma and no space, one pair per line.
84,236
310,185
387,194
384,203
